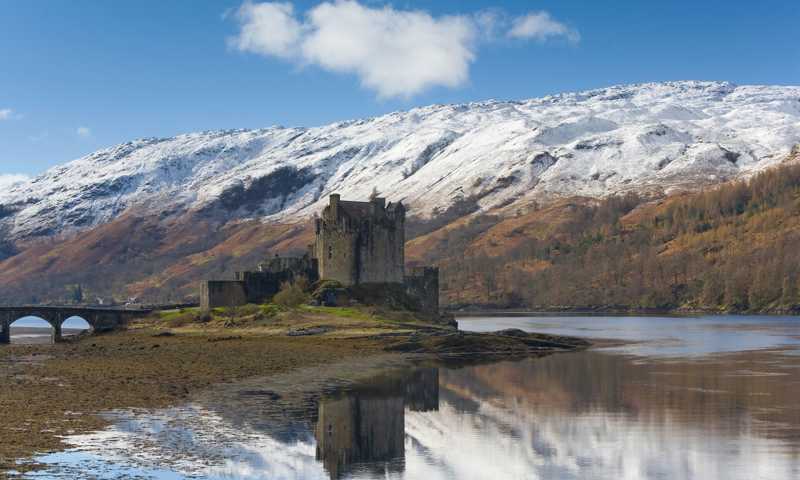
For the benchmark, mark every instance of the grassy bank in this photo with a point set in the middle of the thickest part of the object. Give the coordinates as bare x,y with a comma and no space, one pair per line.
56,390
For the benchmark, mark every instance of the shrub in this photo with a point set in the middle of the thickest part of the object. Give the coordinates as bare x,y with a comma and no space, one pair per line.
247,310
291,295
181,319
330,293
270,310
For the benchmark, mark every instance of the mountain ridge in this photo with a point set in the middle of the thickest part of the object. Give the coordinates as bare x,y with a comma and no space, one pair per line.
493,153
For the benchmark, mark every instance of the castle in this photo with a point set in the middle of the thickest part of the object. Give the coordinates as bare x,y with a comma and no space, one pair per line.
360,245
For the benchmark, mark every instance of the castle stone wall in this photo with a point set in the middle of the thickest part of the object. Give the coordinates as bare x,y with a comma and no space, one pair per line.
422,284
381,252
257,287
222,293
291,266
335,249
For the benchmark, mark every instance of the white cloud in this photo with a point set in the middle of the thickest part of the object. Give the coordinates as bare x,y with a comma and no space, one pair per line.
84,132
6,113
396,53
268,29
541,26
10,179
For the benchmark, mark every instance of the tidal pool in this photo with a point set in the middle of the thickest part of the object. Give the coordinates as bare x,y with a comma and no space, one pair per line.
689,397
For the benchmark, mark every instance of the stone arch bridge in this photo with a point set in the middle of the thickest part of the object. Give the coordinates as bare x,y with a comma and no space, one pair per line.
100,319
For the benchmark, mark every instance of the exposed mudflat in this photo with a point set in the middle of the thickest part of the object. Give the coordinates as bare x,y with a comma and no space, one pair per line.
55,390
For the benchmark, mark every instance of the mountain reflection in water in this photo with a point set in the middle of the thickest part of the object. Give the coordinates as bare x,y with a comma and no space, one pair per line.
592,414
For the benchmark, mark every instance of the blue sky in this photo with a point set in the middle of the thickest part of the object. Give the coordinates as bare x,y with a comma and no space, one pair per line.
76,76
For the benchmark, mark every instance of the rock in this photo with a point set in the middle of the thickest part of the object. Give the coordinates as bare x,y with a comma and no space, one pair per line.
513,332
302,332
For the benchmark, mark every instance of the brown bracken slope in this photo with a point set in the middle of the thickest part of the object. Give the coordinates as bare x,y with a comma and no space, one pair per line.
144,257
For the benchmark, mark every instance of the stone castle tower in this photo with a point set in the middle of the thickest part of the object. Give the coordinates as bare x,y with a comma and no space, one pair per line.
361,242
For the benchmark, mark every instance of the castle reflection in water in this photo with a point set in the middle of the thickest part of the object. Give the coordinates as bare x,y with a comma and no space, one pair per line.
365,427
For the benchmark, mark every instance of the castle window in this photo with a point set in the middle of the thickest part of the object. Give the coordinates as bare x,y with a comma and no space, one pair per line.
330,252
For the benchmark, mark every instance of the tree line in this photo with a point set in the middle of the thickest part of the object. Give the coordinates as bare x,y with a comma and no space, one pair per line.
731,248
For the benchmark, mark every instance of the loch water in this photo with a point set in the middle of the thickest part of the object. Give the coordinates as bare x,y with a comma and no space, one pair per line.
715,397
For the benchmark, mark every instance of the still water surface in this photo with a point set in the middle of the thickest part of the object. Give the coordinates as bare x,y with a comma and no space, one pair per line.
695,398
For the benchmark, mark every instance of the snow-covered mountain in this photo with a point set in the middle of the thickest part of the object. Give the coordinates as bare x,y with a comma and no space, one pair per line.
495,153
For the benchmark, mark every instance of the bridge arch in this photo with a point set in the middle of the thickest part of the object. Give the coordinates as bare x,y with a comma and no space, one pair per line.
31,336
75,325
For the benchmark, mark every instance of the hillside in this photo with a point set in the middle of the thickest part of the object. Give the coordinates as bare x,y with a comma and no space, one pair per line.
490,154
731,248
151,217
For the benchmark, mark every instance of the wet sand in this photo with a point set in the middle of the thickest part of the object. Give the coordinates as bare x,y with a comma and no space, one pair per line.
38,335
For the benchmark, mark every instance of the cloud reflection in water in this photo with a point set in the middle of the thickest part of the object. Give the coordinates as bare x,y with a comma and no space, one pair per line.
569,416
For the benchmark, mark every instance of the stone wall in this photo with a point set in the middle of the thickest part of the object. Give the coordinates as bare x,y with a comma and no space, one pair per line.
257,287
381,251
292,266
222,293
107,322
422,284
5,330
335,248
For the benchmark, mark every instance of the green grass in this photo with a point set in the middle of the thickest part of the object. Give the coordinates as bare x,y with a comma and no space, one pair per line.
270,309
264,314
341,312
168,315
